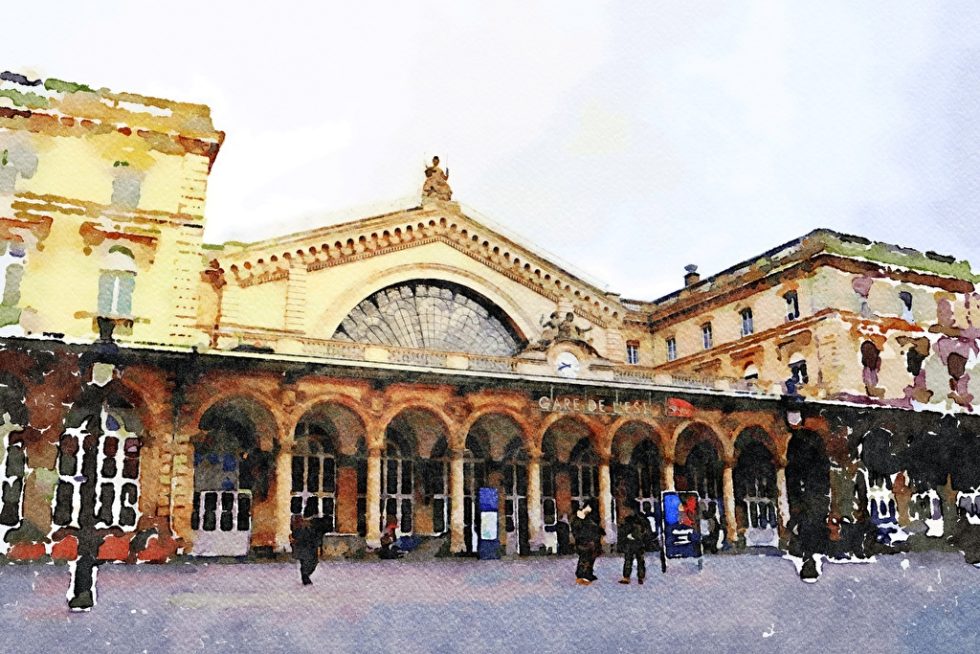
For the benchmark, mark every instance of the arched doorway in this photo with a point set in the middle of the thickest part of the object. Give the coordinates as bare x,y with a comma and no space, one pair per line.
882,453
569,479
808,489
495,457
112,436
405,496
549,503
515,497
583,471
699,468
756,495
13,456
636,472
231,474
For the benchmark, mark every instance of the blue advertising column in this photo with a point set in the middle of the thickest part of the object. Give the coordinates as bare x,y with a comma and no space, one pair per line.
489,543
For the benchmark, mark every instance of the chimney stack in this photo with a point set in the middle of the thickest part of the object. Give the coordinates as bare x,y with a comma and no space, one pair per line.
691,275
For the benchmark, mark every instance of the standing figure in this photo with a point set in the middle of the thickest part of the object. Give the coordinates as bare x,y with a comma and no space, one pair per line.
634,533
587,534
306,539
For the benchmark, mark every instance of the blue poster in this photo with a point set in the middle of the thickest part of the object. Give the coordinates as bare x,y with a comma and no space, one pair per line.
682,526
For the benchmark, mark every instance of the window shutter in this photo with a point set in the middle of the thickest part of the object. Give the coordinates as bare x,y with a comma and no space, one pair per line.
11,288
106,283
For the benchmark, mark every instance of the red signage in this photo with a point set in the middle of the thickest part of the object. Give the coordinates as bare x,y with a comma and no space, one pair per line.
679,408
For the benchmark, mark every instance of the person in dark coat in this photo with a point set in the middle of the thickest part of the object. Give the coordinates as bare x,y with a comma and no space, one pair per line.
306,538
634,533
588,535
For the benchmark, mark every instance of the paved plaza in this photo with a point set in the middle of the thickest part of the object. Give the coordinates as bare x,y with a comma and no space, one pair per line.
916,603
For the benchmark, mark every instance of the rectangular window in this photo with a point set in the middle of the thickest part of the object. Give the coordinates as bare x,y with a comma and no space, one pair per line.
671,349
11,272
116,293
792,306
906,299
747,326
706,337
632,352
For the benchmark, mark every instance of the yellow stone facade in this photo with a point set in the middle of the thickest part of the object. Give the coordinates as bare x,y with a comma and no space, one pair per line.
428,325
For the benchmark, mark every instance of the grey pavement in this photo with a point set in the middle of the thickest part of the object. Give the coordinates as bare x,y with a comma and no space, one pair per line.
928,602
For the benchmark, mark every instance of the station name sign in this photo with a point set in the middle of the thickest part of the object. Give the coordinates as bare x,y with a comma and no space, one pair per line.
615,407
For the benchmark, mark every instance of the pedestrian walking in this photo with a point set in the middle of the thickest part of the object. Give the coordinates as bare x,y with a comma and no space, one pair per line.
306,538
587,534
634,534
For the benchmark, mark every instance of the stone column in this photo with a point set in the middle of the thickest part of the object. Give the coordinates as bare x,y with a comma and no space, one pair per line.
667,475
782,497
373,498
535,518
284,482
605,500
728,491
456,490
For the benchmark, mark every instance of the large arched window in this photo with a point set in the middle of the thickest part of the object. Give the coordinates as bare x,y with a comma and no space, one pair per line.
432,315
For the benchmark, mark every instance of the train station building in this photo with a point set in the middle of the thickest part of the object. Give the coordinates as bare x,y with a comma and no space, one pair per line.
387,367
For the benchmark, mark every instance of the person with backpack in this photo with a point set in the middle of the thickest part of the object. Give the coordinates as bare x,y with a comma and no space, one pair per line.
588,543
634,534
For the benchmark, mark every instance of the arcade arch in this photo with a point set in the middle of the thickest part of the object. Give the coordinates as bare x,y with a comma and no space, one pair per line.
756,493
234,463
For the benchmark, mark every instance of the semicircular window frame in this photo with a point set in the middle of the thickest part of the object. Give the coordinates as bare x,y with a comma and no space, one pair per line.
456,319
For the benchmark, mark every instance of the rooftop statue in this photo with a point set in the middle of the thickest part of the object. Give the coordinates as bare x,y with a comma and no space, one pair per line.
436,182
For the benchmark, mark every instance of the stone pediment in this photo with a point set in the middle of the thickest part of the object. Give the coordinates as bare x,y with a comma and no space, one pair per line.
433,221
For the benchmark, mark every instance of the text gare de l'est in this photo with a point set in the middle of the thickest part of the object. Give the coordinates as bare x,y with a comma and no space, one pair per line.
600,406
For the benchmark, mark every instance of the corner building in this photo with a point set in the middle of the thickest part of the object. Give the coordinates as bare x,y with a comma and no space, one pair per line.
386,368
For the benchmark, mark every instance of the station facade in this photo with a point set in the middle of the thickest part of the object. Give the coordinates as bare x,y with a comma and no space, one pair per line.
388,367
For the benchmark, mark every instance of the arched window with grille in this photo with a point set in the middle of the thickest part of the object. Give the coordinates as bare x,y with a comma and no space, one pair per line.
314,474
117,452
584,476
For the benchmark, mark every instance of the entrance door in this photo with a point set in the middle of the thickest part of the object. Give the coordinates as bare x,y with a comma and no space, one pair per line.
761,530
474,476
515,507
222,513
397,490
928,507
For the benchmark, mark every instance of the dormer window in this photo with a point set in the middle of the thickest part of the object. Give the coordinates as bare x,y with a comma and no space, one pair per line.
706,336
792,306
747,326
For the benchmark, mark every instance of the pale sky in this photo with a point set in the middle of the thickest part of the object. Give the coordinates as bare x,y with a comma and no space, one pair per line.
626,138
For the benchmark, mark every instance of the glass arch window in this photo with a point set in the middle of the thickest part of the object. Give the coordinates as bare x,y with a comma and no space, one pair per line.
432,315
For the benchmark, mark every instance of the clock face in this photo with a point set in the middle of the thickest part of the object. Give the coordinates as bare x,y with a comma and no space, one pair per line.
567,365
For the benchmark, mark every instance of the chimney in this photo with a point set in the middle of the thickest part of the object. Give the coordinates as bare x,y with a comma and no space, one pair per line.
691,275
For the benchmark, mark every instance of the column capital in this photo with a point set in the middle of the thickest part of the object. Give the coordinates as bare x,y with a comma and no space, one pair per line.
375,452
